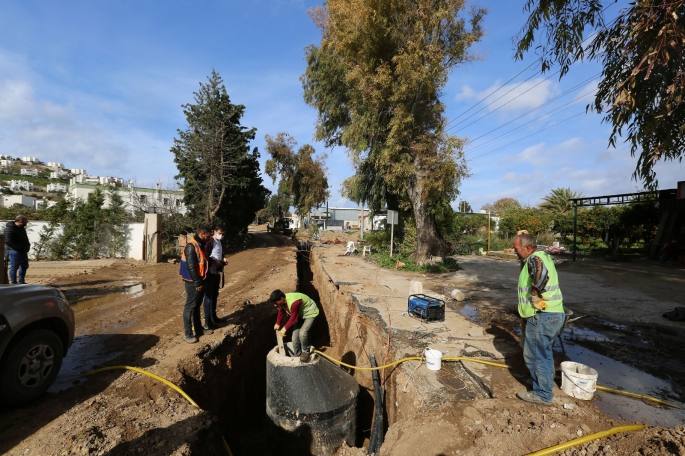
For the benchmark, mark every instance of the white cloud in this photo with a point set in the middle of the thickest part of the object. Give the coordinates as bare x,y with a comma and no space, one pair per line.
514,96
545,156
54,132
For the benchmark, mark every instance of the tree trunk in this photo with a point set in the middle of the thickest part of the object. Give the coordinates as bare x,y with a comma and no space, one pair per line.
429,242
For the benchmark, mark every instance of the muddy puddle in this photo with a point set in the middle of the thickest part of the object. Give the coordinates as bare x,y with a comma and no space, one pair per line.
629,357
89,351
128,290
616,374
85,353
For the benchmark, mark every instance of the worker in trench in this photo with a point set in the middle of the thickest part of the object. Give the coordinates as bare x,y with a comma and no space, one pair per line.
301,311
540,304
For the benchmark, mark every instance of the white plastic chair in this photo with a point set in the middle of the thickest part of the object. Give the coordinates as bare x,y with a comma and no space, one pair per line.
365,250
350,248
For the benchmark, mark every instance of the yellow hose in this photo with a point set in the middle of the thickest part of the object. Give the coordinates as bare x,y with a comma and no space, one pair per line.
490,363
163,380
587,438
340,363
475,360
636,396
149,374
228,450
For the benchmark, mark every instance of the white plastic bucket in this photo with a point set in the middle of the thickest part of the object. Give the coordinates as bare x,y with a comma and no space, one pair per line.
433,359
578,380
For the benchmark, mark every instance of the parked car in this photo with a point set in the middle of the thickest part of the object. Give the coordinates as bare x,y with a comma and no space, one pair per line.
36,330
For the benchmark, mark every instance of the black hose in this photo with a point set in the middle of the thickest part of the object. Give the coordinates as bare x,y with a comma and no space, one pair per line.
376,439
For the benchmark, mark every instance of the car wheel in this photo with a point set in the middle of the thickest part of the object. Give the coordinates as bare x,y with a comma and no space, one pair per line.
31,366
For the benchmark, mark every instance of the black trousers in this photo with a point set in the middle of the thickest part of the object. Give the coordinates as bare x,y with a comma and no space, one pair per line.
191,310
211,295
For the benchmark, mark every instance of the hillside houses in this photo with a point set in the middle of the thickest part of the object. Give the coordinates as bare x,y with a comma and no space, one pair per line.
51,181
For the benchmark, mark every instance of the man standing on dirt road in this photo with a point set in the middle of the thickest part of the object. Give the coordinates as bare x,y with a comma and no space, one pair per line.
194,269
540,303
215,255
301,310
18,246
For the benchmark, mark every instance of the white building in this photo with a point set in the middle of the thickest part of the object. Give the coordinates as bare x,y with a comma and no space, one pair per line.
58,175
6,162
96,180
29,172
76,171
21,185
44,203
84,179
11,200
29,159
58,188
109,180
6,157
137,198
55,165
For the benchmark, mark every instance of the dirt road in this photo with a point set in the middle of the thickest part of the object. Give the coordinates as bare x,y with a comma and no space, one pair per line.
129,313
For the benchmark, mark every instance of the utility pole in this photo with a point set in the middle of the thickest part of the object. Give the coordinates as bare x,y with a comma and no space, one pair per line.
361,235
488,232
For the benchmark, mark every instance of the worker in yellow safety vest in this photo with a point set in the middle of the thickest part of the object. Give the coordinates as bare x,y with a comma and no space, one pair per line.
540,304
301,311
194,268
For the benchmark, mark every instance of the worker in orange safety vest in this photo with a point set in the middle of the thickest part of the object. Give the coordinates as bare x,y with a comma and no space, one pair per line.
194,268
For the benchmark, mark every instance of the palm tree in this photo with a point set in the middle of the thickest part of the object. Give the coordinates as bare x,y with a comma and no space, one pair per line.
559,201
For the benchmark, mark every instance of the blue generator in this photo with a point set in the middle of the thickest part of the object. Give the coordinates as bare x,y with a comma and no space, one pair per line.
426,308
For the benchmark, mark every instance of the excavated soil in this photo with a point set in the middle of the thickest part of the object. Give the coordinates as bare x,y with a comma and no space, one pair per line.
129,313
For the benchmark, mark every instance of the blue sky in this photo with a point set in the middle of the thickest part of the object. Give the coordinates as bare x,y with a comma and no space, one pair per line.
99,85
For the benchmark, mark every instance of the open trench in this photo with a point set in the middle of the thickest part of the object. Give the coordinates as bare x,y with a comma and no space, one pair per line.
229,379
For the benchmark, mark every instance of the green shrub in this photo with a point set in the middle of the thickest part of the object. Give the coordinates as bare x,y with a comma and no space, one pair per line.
378,240
409,240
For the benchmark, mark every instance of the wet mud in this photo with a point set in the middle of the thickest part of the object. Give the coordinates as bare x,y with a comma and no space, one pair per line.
648,360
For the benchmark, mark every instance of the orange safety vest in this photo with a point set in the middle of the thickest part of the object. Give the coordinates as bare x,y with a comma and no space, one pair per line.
201,267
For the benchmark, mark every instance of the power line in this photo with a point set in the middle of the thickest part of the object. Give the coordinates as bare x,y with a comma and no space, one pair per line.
530,122
514,88
540,106
492,93
504,104
495,100
526,137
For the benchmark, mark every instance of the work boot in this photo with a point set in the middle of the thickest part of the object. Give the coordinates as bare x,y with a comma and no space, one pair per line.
304,357
191,339
207,331
530,396
211,325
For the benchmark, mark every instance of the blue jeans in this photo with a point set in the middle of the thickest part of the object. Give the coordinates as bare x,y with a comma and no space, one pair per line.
211,295
301,335
19,261
541,330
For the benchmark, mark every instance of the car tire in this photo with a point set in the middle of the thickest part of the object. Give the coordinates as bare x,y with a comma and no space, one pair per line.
31,366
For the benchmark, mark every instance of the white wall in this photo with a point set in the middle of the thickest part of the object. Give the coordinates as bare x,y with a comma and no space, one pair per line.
134,249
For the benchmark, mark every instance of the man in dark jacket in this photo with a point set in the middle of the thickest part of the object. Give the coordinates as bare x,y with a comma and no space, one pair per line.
18,246
194,269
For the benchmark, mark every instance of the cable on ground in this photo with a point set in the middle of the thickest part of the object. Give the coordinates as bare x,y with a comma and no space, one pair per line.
587,438
163,380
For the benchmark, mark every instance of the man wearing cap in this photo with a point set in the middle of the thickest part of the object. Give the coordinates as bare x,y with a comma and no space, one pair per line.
301,310
540,304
